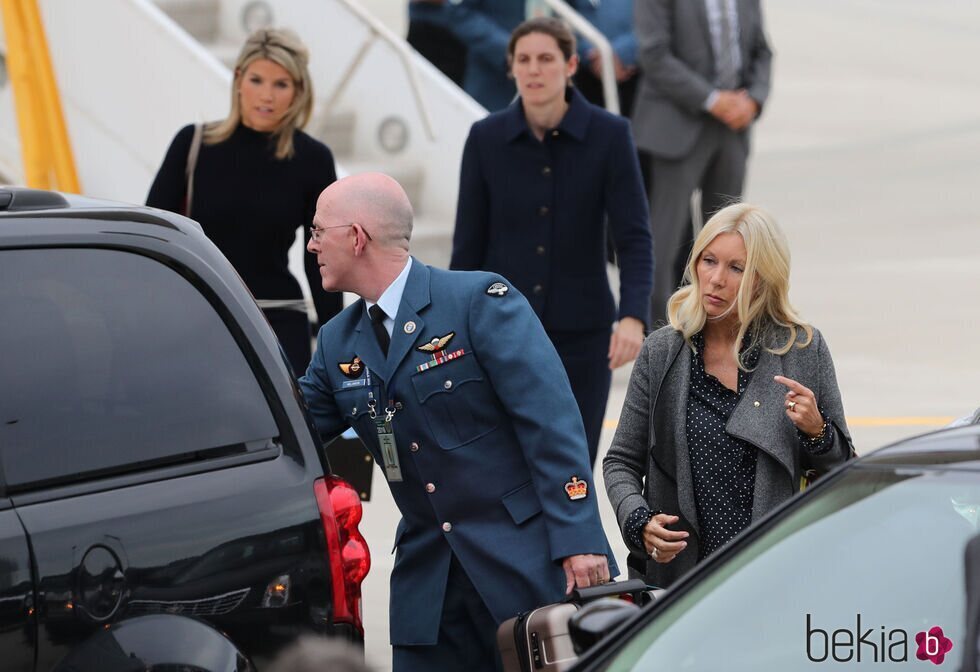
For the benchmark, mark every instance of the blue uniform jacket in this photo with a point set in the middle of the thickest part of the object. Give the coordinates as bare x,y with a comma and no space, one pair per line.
487,441
536,212
614,19
484,26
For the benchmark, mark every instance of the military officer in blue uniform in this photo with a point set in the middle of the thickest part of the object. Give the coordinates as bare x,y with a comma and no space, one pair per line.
449,379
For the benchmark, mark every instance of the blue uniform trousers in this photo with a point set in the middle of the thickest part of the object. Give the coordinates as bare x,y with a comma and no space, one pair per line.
467,633
584,354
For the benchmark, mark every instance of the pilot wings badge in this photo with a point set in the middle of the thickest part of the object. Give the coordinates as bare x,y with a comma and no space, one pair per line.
437,348
437,344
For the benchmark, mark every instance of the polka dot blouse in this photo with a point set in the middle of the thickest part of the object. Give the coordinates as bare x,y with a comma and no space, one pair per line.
722,466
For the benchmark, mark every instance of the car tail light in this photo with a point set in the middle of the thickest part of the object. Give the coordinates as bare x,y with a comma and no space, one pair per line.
350,559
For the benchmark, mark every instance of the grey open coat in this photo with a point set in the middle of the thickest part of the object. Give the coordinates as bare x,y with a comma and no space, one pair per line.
648,463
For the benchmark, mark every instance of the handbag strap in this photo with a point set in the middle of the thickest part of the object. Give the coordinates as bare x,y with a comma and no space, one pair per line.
192,154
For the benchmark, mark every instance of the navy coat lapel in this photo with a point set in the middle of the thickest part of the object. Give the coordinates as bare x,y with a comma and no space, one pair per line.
414,299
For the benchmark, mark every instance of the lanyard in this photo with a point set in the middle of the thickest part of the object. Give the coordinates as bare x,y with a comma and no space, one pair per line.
386,435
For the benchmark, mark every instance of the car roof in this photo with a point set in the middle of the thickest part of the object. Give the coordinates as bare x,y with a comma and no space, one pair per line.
959,446
23,202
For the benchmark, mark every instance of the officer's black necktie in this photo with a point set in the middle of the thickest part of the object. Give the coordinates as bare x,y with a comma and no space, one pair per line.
377,323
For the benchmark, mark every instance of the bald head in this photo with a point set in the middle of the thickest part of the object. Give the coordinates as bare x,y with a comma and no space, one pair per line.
375,201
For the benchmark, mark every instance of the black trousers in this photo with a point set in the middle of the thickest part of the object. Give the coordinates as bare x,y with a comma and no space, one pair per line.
467,634
591,87
584,354
440,47
292,328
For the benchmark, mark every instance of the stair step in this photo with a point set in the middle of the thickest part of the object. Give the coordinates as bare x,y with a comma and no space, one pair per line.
200,18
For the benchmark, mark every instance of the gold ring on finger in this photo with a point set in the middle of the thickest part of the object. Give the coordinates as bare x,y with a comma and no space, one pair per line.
791,405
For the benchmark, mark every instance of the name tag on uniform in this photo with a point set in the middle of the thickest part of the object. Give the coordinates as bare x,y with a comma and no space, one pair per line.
354,383
389,451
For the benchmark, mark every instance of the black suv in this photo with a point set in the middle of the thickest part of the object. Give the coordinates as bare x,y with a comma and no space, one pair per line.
164,499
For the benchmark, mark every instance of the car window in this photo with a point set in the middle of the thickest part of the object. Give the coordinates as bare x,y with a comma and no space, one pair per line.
111,359
859,570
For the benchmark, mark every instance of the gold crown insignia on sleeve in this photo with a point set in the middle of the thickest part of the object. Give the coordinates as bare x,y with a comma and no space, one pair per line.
576,489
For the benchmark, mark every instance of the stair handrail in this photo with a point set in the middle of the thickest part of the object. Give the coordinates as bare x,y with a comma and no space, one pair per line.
45,145
379,30
582,25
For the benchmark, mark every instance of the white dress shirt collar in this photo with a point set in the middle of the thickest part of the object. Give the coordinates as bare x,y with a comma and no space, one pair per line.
391,298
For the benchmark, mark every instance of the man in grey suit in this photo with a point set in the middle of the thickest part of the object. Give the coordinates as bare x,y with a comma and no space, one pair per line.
705,76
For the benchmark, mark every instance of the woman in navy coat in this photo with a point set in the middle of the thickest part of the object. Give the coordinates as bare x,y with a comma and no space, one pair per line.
539,181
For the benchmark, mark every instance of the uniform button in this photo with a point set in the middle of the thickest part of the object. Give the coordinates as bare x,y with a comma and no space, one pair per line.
448,384
538,289
447,527
546,170
543,210
430,488
398,406
353,411
554,134
756,404
540,249
414,447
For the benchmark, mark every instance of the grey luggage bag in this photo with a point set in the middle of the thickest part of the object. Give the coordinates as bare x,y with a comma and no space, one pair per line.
538,640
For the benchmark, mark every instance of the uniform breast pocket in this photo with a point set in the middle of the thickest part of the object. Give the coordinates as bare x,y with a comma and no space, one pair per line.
458,402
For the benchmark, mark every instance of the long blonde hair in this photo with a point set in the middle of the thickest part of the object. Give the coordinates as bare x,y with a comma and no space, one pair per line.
762,302
283,47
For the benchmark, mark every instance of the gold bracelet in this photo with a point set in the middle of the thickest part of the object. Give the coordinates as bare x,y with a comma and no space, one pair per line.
821,435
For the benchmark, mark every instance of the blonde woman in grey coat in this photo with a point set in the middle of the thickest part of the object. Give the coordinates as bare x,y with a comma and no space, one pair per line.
728,406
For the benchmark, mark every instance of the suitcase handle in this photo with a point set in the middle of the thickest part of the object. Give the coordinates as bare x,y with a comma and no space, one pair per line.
633,586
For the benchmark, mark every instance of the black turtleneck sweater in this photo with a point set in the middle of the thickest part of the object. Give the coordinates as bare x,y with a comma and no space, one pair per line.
250,204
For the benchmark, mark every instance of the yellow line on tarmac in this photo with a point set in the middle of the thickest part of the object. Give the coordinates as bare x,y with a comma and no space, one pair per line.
907,421
865,421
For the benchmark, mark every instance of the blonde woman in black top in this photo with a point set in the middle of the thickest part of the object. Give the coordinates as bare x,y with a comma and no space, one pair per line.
256,182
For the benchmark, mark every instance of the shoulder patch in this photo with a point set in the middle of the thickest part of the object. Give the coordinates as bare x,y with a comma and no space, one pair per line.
498,289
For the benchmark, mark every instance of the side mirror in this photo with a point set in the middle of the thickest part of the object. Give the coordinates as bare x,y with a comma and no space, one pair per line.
596,620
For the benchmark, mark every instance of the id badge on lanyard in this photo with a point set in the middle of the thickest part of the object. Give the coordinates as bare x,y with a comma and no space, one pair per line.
389,451
386,438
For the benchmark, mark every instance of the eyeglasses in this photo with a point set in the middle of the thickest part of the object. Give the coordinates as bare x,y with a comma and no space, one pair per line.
317,231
